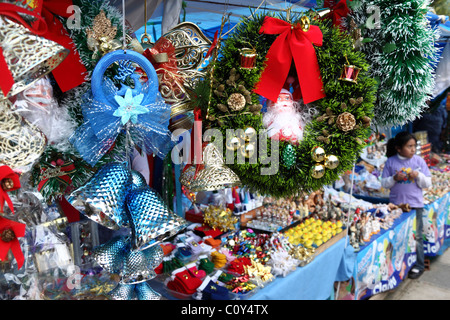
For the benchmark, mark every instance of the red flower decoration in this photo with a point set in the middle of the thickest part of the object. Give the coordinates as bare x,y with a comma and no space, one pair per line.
10,231
7,173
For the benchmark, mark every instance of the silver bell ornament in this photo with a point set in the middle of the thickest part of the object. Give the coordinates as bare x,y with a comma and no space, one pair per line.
102,198
27,56
151,221
145,292
123,292
110,255
139,266
138,180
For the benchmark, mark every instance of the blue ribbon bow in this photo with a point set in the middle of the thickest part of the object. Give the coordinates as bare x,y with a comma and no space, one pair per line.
108,111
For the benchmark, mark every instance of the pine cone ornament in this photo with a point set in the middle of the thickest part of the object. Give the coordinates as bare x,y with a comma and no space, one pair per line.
346,121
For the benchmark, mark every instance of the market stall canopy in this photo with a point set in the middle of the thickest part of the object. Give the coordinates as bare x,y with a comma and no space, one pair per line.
204,13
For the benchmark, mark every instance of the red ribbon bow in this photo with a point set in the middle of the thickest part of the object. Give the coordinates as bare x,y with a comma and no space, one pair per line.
6,244
169,67
292,43
70,73
337,12
5,173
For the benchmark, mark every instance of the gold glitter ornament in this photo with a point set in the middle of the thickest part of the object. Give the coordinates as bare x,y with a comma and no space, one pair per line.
220,218
101,37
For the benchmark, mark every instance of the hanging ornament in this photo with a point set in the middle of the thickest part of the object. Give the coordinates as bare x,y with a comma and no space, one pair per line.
145,292
102,198
233,144
289,156
138,180
132,266
150,219
24,57
305,24
140,111
185,46
140,291
110,255
248,150
186,178
349,72
248,134
215,175
248,58
139,265
123,292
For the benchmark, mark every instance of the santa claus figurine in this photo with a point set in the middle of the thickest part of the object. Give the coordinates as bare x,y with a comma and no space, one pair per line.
283,119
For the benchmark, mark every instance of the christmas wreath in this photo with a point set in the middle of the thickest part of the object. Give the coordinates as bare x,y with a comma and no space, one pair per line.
336,116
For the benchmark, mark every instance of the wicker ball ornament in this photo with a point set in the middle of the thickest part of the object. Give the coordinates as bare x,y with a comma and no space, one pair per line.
21,143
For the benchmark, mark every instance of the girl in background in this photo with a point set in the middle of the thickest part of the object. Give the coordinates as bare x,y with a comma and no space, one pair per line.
406,174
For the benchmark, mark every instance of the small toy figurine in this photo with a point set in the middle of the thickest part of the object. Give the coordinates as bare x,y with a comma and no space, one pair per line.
9,181
283,120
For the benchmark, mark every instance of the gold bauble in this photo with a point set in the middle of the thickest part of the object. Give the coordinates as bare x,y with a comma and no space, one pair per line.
233,144
317,171
331,162
248,134
248,150
305,23
318,154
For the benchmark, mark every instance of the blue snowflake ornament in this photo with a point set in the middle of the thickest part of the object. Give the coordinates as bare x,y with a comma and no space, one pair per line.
129,107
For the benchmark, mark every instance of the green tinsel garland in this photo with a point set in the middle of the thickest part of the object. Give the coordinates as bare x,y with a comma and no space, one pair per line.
401,53
293,178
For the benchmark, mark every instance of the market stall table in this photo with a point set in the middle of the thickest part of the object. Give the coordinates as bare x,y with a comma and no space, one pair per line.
314,281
